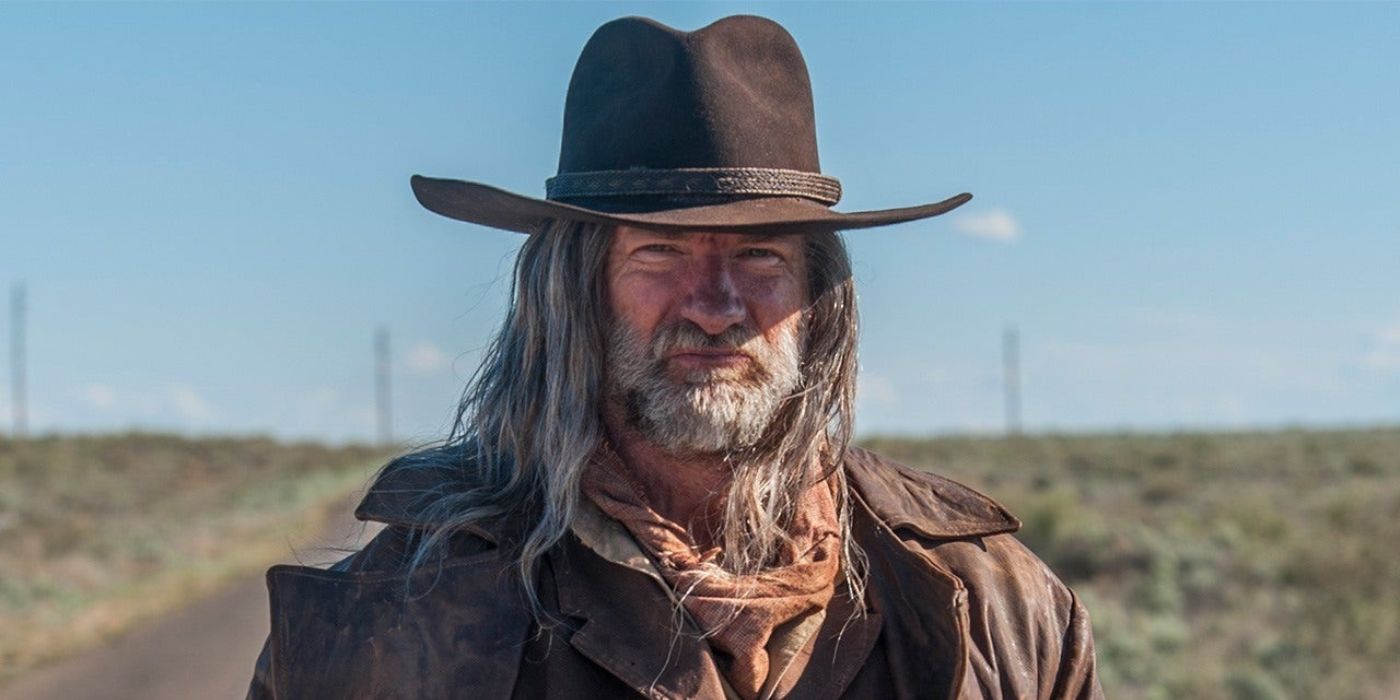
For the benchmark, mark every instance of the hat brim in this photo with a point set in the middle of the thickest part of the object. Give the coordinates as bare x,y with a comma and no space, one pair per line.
490,206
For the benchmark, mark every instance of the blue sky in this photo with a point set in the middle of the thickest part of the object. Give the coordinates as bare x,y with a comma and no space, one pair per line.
1191,211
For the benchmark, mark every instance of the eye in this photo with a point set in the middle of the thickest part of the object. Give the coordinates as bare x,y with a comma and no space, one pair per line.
655,254
655,249
760,254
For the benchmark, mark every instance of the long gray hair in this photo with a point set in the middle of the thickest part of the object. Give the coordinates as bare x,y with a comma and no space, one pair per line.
530,419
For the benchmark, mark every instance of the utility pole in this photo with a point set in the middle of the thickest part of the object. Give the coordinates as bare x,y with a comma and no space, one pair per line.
1011,375
382,402
20,409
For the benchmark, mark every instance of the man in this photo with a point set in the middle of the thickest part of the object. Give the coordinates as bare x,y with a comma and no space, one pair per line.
650,489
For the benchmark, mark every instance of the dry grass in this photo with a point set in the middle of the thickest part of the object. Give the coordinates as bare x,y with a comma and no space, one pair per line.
1247,565
98,532
1244,565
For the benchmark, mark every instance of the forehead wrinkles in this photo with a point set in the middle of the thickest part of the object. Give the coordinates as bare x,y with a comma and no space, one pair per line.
789,240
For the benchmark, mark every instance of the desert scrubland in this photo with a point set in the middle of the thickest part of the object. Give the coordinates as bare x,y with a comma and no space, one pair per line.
1214,565
100,532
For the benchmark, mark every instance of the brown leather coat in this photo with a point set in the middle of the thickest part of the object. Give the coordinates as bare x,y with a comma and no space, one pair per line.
956,608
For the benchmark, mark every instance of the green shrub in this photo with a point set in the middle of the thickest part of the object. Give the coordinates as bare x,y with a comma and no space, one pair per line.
1213,565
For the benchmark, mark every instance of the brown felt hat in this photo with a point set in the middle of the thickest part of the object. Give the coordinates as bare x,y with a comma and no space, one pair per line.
663,129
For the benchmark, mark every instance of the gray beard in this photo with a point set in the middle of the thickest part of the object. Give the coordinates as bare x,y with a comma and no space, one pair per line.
710,411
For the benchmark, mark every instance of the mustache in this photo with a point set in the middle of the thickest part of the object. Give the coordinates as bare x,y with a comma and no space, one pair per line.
686,335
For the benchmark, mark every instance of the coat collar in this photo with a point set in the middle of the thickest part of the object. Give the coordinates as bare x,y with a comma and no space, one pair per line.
912,601
900,496
626,625
405,487
932,506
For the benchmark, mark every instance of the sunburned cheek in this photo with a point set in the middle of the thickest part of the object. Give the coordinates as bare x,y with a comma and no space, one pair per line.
633,318
775,297
788,325
629,278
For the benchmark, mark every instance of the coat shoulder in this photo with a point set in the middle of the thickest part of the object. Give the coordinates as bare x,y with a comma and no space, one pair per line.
1031,618
961,530
931,505
1029,630
405,489
1032,632
420,493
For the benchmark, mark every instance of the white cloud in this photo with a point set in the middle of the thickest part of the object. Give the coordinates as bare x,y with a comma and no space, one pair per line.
98,396
995,224
189,405
424,357
157,405
1385,350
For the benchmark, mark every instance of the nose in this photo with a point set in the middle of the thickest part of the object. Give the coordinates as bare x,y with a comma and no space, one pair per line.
714,303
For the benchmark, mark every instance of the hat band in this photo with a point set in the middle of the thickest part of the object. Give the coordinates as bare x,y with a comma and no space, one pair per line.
775,182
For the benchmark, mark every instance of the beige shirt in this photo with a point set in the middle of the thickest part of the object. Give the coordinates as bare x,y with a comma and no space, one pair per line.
788,649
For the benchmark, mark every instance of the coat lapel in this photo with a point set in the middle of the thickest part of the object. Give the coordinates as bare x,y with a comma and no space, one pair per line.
445,634
927,504
628,627
841,649
924,610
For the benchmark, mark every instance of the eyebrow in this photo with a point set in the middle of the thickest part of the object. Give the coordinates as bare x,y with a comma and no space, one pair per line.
668,235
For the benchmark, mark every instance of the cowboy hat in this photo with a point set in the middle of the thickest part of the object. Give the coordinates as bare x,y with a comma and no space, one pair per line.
664,129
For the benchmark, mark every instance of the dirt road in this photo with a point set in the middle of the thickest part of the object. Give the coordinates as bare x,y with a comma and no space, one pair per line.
205,650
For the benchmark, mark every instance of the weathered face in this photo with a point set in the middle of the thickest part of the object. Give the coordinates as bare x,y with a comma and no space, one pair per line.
707,334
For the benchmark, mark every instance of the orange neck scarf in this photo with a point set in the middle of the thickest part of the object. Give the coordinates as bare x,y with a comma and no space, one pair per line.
737,613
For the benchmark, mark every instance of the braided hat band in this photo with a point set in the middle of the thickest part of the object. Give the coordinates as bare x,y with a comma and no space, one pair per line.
776,182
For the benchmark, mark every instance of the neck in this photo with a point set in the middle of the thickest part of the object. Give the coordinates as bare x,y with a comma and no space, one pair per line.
686,489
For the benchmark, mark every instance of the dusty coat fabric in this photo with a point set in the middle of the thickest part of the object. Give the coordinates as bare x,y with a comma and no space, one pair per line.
956,608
